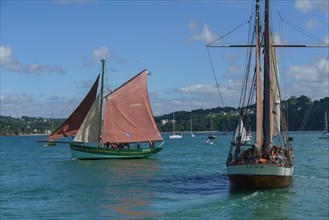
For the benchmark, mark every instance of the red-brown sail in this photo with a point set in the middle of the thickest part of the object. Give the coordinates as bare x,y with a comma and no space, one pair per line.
73,123
128,115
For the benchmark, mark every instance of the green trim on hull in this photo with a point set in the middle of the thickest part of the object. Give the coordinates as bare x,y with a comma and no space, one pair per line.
86,152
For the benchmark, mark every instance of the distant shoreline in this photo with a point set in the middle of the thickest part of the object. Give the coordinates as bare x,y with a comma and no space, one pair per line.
222,133
23,135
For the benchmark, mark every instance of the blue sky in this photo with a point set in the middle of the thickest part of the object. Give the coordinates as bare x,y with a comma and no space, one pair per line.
50,51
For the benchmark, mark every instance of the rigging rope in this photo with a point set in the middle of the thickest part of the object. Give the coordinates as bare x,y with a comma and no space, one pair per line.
211,63
213,71
284,115
234,29
300,29
308,111
66,108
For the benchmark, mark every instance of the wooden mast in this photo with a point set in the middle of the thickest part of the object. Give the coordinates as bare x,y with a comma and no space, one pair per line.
101,103
259,99
267,120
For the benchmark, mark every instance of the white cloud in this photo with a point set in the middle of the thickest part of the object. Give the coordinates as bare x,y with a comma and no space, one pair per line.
309,73
9,63
304,79
192,26
17,105
204,35
198,96
312,23
299,80
162,106
303,5
277,39
100,53
326,39
306,6
303,73
5,55
199,89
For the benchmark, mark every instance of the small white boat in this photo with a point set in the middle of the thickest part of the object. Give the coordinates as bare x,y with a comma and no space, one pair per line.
211,137
174,135
325,134
211,140
192,134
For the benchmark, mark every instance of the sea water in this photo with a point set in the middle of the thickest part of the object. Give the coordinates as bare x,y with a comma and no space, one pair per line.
186,180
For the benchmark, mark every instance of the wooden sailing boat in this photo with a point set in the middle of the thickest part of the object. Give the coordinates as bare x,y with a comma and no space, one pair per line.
211,137
325,134
174,135
51,142
123,128
267,163
191,124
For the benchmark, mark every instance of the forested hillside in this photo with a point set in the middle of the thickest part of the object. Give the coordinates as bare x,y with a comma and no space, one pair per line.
26,125
224,119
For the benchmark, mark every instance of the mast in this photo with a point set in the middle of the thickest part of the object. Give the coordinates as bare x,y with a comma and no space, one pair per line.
173,123
211,115
268,121
259,100
325,122
52,121
101,103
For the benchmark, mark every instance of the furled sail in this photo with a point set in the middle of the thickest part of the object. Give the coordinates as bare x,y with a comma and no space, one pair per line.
73,123
275,95
89,130
128,115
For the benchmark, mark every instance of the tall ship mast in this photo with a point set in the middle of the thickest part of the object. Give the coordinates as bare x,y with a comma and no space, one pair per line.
267,161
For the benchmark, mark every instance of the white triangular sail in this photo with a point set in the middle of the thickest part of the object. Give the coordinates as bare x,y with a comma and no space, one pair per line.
89,130
240,131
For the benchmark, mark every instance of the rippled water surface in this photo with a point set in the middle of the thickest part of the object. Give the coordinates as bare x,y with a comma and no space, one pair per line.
186,180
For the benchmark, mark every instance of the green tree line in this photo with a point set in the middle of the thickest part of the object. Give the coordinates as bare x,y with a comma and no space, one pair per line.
27,125
223,119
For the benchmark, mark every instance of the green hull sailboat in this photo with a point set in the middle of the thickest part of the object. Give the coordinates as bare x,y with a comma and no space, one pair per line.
116,126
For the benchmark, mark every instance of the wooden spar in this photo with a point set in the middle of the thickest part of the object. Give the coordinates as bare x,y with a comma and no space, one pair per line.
274,45
300,45
259,100
101,103
57,142
127,82
267,108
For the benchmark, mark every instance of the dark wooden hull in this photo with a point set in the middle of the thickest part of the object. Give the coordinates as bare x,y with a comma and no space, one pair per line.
259,176
259,182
